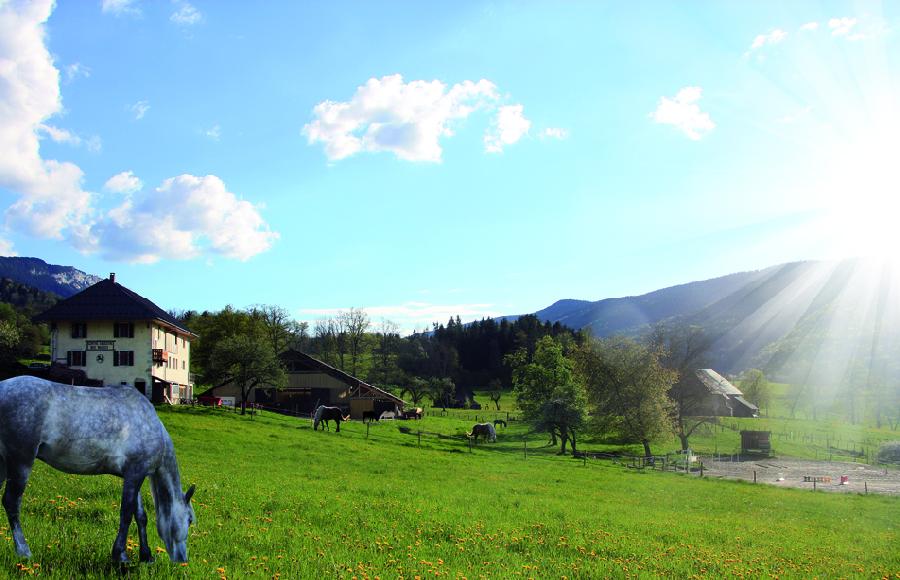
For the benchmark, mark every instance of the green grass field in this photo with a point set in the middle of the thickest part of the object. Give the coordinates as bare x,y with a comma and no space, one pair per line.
276,499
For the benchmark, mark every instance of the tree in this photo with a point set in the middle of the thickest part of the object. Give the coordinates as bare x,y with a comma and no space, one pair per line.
277,325
756,388
354,323
387,337
683,349
416,389
248,362
495,391
549,393
441,392
627,388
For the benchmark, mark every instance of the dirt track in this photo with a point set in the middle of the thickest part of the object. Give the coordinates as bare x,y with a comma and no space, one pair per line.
787,472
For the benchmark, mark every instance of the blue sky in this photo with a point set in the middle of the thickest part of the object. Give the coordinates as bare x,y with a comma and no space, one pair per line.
422,159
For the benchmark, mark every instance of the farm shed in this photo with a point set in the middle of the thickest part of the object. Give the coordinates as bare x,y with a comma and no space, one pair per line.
311,382
711,395
756,442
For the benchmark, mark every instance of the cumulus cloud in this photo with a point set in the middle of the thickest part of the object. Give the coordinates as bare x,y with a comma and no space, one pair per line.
51,198
125,182
139,109
810,26
508,127
186,216
554,133
406,119
684,113
773,37
841,26
57,135
186,14
183,218
120,7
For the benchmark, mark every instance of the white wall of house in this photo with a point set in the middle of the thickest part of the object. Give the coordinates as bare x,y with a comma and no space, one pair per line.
100,345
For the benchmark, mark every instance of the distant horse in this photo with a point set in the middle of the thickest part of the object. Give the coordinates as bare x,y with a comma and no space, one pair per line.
485,430
370,416
413,413
499,422
327,414
93,431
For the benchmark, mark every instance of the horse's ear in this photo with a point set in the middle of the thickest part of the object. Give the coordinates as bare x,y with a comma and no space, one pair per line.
189,494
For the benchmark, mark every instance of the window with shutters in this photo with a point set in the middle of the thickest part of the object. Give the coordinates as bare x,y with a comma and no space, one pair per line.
79,330
123,330
76,358
123,358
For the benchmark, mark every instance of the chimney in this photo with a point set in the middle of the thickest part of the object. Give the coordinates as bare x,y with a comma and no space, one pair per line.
112,276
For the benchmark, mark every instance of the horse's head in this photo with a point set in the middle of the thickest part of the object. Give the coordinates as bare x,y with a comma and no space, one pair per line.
173,527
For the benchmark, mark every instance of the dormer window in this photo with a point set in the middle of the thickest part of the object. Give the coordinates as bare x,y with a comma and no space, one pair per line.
123,330
79,330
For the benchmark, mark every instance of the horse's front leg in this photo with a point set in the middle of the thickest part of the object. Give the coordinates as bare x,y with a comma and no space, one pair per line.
17,478
140,517
130,489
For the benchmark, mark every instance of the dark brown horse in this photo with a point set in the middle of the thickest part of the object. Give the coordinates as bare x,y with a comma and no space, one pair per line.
327,414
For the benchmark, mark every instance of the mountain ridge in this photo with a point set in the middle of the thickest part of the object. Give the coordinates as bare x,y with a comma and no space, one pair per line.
64,281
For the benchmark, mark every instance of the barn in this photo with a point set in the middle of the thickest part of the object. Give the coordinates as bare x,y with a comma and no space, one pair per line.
311,382
711,395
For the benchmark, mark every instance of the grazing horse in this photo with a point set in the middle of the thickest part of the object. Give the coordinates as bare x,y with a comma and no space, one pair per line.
413,413
499,422
325,414
93,431
370,416
485,430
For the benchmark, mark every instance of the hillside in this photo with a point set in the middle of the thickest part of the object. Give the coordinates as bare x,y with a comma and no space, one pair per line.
25,298
276,499
63,281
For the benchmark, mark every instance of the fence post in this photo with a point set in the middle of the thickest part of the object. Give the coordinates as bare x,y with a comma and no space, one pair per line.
866,483
420,438
368,424
470,444
525,441
754,476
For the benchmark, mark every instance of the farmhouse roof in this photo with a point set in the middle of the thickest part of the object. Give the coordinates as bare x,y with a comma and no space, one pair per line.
109,300
300,361
716,383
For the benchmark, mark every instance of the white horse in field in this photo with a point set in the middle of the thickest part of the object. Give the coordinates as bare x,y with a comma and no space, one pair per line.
485,430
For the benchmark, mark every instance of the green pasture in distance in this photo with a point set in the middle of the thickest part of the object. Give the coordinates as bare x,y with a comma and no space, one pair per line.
276,499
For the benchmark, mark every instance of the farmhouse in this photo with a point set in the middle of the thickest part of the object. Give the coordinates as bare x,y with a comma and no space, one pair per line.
312,382
119,337
713,396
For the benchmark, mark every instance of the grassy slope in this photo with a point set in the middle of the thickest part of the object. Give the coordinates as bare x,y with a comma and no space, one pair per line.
275,497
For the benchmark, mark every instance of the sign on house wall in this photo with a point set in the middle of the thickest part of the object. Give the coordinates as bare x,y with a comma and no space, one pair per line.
100,345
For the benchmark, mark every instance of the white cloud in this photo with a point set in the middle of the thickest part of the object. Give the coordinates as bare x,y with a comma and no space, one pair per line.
6,248
683,112
120,7
508,127
773,37
214,132
93,144
186,14
810,26
554,133
387,114
841,26
76,70
414,315
50,200
125,182
796,116
140,109
185,217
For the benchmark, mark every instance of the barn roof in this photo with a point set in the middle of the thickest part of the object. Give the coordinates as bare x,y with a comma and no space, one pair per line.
300,361
109,300
716,383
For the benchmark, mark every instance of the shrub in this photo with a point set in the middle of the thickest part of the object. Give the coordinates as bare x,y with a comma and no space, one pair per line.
889,452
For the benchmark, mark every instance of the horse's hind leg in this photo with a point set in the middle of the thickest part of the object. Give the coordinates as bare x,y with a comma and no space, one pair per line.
140,516
17,478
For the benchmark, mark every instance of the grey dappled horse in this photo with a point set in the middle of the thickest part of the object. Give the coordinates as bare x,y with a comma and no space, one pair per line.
93,431
485,430
324,414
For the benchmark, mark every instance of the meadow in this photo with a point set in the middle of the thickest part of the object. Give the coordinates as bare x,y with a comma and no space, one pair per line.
277,500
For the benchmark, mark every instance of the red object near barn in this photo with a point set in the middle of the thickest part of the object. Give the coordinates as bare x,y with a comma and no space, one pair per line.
210,401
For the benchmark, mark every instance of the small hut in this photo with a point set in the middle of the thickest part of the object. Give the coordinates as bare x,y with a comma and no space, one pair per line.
756,442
